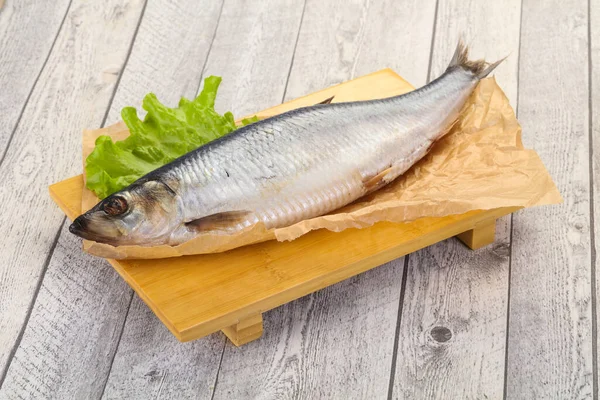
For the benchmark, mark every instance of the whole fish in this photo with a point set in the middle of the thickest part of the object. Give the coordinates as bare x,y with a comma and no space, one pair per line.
278,171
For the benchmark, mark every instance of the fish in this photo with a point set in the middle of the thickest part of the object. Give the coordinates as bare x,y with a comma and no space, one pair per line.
284,169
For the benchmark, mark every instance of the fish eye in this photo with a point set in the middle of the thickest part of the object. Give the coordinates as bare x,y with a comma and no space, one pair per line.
115,206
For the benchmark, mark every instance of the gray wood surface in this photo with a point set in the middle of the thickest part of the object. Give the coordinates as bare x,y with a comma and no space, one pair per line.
27,32
72,92
550,321
521,316
453,323
168,55
333,50
594,34
315,347
253,51
151,363
73,331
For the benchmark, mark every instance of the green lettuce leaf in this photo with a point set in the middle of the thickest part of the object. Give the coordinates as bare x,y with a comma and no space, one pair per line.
164,135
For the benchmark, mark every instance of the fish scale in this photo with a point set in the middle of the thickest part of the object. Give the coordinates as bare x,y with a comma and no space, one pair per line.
380,129
302,169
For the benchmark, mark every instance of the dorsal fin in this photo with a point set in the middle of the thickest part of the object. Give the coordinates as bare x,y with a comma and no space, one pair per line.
327,101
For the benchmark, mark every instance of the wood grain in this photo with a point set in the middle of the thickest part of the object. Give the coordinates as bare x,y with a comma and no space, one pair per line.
550,325
71,93
338,342
27,31
453,324
73,331
451,343
252,51
151,363
490,29
336,49
170,50
188,370
595,139
155,64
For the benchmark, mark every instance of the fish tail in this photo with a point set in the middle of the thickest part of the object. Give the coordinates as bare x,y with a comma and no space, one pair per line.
480,68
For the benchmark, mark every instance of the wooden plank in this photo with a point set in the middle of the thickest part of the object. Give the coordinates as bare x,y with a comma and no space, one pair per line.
253,58
550,325
73,330
336,343
490,29
252,51
451,338
169,53
84,319
453,324
151,363
71,93
27,31
594,32
331,51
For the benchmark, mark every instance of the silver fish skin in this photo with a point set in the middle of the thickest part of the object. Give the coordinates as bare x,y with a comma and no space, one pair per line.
295,166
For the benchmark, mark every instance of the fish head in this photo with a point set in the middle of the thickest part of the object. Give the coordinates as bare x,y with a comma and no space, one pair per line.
143,213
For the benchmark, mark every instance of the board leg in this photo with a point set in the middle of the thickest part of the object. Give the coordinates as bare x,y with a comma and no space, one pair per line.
245,331
481,235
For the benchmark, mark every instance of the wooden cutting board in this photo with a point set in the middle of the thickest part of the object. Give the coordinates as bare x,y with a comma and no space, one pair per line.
197,295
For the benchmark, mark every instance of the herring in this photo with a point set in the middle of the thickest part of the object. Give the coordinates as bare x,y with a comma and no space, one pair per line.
294,166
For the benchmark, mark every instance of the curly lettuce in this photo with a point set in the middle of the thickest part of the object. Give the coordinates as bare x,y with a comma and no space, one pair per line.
164,135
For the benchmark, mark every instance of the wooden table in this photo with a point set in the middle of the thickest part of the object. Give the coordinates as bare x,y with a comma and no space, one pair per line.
516,319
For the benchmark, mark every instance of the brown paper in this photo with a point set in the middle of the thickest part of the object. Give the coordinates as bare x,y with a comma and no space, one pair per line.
480,165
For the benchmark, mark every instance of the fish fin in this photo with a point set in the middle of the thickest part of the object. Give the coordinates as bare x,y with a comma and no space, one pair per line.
480,68
219,221
373,183
327,101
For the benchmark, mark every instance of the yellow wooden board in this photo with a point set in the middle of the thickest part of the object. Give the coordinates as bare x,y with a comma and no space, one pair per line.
198,295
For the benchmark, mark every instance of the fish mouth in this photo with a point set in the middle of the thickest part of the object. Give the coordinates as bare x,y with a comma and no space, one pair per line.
80,227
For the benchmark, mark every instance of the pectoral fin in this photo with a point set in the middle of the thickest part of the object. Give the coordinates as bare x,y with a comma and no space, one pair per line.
219,221
375,182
